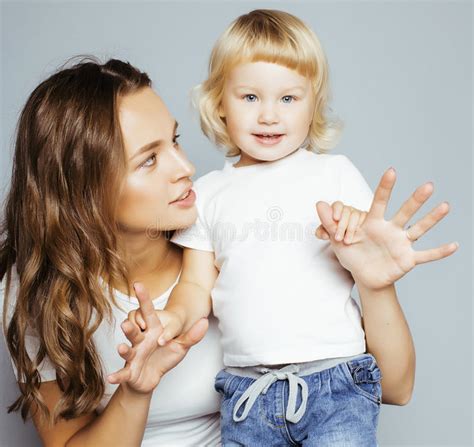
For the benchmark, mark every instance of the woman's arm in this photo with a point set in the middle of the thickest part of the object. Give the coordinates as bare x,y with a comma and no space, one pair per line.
379,254
389,339
121,423
124,418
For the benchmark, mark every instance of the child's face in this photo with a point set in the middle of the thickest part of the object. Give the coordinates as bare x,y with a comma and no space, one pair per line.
268,110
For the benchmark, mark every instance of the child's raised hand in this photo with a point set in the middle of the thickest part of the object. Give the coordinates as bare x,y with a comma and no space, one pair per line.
381,251
348,218
172,323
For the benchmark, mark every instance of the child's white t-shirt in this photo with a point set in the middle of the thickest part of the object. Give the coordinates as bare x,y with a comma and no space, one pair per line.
281,295
184,409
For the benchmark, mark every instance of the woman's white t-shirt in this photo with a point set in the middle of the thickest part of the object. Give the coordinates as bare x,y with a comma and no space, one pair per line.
184,409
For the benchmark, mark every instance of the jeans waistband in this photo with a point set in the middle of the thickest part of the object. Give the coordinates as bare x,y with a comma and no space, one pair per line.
301,369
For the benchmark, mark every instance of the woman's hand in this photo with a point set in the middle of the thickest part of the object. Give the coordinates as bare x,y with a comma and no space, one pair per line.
145,361
381,251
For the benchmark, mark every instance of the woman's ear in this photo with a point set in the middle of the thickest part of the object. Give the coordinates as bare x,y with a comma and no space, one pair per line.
220,110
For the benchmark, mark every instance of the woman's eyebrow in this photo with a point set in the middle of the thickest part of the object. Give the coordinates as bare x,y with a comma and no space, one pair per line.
153,144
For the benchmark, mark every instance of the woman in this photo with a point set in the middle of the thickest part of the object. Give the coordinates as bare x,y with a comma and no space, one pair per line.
98,180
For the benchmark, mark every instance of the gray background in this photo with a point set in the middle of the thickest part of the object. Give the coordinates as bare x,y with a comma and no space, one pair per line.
402,81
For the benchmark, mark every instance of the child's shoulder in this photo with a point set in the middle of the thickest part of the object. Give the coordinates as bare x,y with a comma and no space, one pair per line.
330,160
210,181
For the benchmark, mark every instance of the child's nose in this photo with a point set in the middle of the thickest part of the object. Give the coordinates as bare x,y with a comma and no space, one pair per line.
268,114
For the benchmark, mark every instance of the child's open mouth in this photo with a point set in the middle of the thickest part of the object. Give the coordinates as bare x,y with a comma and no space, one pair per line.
269,138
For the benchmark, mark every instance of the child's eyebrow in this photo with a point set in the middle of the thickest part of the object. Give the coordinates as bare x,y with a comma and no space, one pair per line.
285,89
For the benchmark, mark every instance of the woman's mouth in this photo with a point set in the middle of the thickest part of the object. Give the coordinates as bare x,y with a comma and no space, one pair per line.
186,200
268,139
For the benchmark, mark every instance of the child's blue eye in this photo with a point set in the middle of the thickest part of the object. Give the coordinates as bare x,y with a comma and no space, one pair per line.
250,98
287,99
150,161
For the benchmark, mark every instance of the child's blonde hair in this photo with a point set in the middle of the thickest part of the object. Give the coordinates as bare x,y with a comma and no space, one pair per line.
268,36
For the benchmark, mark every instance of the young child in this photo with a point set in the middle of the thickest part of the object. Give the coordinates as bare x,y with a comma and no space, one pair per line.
297,371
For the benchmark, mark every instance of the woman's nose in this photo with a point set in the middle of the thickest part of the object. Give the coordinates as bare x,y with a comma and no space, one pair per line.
182,167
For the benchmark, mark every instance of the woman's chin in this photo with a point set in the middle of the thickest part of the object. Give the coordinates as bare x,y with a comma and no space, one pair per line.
183,219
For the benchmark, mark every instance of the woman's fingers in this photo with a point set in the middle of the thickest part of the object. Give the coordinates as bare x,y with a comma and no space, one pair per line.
135,316
126,352
382,194
413,204
132,332
120,376
434,254
427,222
146,306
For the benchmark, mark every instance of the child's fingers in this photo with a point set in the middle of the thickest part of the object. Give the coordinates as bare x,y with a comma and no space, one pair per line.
352,226
343,222
194,335
337,208
170,331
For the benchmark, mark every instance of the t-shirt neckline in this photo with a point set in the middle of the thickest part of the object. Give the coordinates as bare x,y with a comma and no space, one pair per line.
157,300
229,166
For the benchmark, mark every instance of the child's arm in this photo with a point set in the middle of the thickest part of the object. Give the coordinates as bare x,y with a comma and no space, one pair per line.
190,299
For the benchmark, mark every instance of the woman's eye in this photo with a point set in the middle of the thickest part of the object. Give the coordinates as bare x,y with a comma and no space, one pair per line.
287,99
250,98
150,161
175,139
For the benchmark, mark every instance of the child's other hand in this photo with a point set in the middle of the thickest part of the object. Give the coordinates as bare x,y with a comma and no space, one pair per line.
348,218
172,323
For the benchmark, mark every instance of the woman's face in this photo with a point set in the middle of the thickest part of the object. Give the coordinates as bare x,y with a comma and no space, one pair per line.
156,194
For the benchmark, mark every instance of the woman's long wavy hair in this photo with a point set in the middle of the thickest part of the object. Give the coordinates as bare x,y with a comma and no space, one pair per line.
59,230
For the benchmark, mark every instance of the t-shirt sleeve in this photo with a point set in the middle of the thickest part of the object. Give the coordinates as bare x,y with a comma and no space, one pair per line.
199,235
353,188
46,369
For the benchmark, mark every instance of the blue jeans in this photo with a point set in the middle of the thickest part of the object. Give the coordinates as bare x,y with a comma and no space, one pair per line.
293,406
